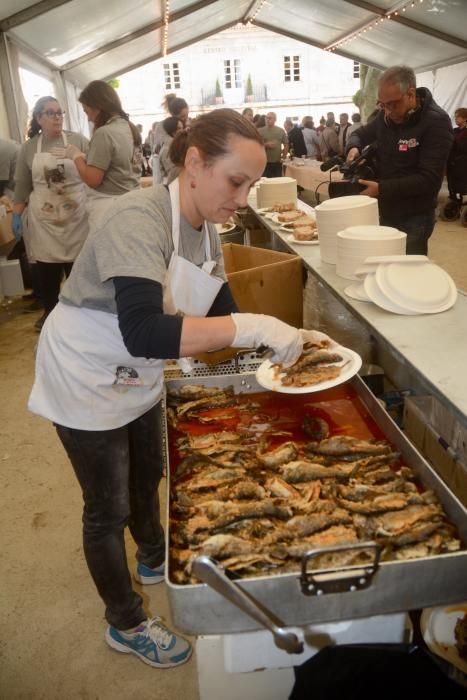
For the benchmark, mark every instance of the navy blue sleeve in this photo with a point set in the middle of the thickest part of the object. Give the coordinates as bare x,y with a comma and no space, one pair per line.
146,330
224,304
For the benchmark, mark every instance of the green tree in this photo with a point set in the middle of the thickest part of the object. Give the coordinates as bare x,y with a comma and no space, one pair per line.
249,85
114,82
218,92
365,98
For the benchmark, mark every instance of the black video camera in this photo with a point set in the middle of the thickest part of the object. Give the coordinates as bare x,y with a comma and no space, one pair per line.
361,168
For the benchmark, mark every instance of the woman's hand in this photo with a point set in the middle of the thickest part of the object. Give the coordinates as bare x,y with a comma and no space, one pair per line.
70,151
253,330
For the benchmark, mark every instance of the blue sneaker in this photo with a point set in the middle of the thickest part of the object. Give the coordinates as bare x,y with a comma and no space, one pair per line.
148,576
152,642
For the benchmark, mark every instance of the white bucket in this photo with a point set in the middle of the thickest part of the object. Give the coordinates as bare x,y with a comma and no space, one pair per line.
11,279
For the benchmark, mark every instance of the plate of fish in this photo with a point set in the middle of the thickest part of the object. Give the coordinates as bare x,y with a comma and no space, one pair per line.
225,228
292,239
318,368
444,630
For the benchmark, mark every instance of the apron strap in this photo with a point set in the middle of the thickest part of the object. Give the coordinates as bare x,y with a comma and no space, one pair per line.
39,142
174,192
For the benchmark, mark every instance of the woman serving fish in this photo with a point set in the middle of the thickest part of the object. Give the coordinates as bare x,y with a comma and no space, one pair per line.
149,285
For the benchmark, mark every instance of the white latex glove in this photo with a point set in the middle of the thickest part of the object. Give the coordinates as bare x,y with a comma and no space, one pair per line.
254,330
70,151
73,152
315,337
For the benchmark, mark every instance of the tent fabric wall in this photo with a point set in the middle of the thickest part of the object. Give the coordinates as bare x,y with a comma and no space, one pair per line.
448,85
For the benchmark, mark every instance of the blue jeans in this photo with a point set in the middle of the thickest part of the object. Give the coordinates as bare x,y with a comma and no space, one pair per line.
119,473
418,228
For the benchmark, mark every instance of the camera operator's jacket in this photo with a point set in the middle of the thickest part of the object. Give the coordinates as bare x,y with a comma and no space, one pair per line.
410,158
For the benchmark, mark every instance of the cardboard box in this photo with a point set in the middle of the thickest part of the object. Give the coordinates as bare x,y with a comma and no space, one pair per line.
6,216
266,282
440,438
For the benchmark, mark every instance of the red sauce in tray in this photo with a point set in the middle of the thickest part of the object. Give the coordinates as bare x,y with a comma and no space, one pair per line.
340,407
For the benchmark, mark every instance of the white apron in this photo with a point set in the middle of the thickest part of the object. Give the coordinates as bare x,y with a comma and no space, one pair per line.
57,218
85,377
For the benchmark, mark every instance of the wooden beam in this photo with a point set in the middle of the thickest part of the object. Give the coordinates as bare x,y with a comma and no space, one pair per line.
151,27
36,10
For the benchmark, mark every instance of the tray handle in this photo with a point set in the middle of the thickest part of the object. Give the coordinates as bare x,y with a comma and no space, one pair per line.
208,571
347,579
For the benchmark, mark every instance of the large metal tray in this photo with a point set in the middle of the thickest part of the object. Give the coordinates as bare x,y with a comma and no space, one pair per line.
393,586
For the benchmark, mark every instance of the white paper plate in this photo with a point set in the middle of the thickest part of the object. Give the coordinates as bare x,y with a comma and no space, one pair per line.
357,291
275,217
437,626
291,239
386,259
365,269
265,374
265,210
222,228
377,297
417,288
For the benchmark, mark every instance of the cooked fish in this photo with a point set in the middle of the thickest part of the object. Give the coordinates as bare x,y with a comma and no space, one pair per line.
220,399
303,470
316,357
193,392
315,427
379,504
339,445
338,534
304,525
282,454
312,376
213,477
278,487
223,546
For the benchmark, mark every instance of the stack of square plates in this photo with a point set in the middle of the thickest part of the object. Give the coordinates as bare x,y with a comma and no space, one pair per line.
357,243
407,284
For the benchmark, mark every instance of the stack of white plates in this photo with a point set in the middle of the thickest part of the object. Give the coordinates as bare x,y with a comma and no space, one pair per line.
407,284
337,214
276,190
357,243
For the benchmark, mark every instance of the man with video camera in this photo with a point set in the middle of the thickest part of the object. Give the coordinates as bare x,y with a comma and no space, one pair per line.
413,136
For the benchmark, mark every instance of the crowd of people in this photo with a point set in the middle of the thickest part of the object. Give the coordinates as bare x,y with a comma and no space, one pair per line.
146,282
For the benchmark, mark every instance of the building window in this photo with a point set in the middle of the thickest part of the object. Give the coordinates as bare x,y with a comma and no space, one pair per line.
356,69
232,73
172,76
291,69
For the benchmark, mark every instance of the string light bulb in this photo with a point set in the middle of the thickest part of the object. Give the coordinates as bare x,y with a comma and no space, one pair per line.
165,37
373,23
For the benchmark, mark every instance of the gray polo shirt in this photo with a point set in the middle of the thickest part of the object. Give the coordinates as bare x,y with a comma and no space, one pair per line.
112,149
8,153
135,240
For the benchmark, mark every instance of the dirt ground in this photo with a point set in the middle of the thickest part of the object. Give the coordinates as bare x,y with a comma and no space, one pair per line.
52,645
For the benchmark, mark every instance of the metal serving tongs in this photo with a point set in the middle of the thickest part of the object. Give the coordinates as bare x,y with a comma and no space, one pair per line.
209,572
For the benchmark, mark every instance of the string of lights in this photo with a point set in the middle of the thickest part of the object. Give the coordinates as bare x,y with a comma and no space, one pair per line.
165,36
258,9
389,15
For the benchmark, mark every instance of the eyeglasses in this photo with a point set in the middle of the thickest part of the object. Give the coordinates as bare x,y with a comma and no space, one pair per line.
391,104
51,114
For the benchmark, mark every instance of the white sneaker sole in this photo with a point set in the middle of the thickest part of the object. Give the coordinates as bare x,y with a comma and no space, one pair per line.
126,650
148,580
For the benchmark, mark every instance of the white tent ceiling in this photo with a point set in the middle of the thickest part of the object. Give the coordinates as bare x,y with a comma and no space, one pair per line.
100,39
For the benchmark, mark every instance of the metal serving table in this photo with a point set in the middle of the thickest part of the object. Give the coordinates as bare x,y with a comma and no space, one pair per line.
426,353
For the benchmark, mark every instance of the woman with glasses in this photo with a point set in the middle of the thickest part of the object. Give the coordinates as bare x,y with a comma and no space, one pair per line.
53,192
114,160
